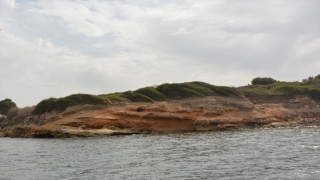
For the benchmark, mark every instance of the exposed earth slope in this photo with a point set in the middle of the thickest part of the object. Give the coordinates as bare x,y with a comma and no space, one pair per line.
184,115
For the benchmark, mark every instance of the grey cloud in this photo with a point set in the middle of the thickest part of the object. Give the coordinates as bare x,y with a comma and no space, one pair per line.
56,48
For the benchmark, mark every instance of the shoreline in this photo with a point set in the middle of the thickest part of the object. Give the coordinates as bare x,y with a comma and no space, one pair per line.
213,113
102,132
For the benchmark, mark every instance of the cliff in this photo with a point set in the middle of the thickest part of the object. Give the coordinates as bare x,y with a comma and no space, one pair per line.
209,113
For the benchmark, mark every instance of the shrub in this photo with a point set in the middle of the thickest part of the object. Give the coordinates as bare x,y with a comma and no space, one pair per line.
220,90
183,90
289,89
263,81
24,112
6,105
1,118
12,113
198,88
74,99
195,89
225,91
45,105
19,113
61,104
314,94
152,93
136,97
309,86
147,94
169,90
114,97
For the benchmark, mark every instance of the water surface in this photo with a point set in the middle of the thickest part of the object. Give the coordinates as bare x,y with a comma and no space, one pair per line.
282,153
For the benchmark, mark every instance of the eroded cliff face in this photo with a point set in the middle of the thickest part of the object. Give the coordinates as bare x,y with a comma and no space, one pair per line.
193,114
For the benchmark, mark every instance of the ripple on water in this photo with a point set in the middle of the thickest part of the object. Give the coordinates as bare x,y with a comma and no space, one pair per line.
286,153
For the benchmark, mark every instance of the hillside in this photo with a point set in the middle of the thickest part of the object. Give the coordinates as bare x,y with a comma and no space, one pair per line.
268,86
178,107
146,94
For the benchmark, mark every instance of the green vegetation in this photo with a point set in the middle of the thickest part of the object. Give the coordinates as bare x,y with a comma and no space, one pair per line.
314,94
45,105
225,91
310,87
61,104
194,89
152,93
260,86
146,94
263,81
136,97
6,105
114,97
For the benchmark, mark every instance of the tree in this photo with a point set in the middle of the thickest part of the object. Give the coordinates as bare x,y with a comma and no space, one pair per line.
6,105
263,81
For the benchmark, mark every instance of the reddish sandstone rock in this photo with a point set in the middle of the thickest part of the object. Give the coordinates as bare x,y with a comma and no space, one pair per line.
193,114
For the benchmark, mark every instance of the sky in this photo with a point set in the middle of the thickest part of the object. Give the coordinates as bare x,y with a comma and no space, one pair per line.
61,47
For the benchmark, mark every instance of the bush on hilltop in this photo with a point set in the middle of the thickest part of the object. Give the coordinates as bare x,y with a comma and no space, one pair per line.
263,81
6,105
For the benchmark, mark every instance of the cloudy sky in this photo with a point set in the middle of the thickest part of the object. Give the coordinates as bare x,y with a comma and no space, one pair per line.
57,48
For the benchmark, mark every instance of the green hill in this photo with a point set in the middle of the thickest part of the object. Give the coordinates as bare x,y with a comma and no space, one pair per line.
146,94
259,86
269,86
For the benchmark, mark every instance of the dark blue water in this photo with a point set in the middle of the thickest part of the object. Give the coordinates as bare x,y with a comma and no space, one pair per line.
286,153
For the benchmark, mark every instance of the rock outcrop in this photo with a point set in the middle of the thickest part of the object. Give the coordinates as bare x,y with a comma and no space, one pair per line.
192,114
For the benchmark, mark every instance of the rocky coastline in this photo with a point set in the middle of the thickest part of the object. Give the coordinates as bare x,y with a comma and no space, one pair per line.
212,113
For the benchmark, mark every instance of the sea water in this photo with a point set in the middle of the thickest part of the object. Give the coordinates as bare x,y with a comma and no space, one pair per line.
278,153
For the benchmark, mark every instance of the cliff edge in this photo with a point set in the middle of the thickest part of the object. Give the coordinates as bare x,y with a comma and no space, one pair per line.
209,113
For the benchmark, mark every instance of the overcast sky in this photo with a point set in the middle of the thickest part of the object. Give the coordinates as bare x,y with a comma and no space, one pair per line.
57,48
